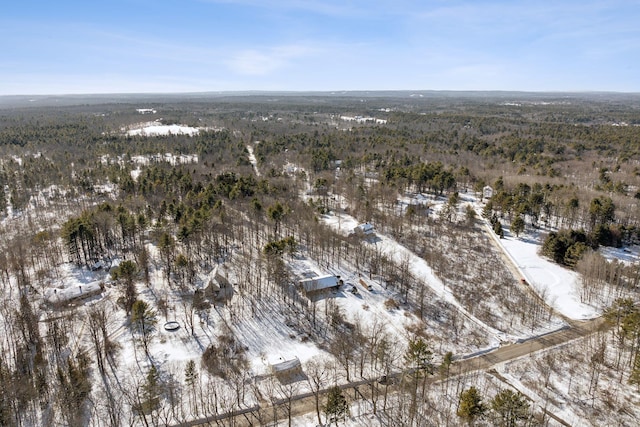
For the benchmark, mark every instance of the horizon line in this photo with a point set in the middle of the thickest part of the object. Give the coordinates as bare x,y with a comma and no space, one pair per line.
330,92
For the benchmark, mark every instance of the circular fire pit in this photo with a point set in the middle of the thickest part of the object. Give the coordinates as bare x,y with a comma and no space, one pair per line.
172,326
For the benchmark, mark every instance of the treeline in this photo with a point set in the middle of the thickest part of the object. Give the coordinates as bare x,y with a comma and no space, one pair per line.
162,198
582,227
624,315
422,176
568,245
62,161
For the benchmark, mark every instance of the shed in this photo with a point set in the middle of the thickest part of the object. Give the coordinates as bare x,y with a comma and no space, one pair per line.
319,283
288,371
487,192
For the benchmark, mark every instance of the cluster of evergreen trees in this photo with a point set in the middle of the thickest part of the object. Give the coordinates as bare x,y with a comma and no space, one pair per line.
507,408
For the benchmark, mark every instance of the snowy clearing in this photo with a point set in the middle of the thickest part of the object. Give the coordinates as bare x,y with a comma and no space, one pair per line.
627,255
252,160
158,129
558,286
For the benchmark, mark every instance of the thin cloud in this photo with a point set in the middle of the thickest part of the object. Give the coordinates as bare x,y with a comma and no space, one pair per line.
254,62
314,44
334,8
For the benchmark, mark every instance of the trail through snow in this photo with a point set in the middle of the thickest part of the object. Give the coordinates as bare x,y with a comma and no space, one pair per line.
252,160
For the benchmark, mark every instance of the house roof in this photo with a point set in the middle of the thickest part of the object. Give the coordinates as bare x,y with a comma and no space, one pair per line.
287,365
54,295
365,228
319,283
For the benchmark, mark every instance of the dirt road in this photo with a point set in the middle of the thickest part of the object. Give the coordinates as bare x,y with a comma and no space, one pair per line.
577,330
515,269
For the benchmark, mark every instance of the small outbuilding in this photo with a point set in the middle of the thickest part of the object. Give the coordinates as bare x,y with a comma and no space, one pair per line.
487,192
288,371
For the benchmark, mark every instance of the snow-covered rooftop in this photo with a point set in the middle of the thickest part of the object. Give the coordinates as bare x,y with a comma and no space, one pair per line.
319,283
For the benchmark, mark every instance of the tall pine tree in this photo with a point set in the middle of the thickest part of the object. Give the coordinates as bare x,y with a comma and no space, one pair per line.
336,407
471,407
634,378
510,408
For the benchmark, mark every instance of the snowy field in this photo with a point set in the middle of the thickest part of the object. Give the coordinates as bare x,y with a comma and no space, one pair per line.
557,285
158,129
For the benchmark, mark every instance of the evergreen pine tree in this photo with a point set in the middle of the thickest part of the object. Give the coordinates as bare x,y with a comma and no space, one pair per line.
510,408
190,373
517,225
151,391
419,356
143,321
446,364
336,407
634,378
126,273
471,406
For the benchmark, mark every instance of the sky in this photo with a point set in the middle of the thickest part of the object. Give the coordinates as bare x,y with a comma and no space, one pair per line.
143,46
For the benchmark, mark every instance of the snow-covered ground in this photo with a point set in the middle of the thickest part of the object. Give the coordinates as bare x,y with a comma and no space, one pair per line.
135,173
576,385
628,255
252,159
557,285
158,129
389,247
360,119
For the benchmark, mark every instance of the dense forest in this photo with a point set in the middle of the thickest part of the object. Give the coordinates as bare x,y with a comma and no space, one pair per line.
157,251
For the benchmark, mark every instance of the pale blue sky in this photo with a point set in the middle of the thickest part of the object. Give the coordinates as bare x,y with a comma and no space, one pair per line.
55,47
